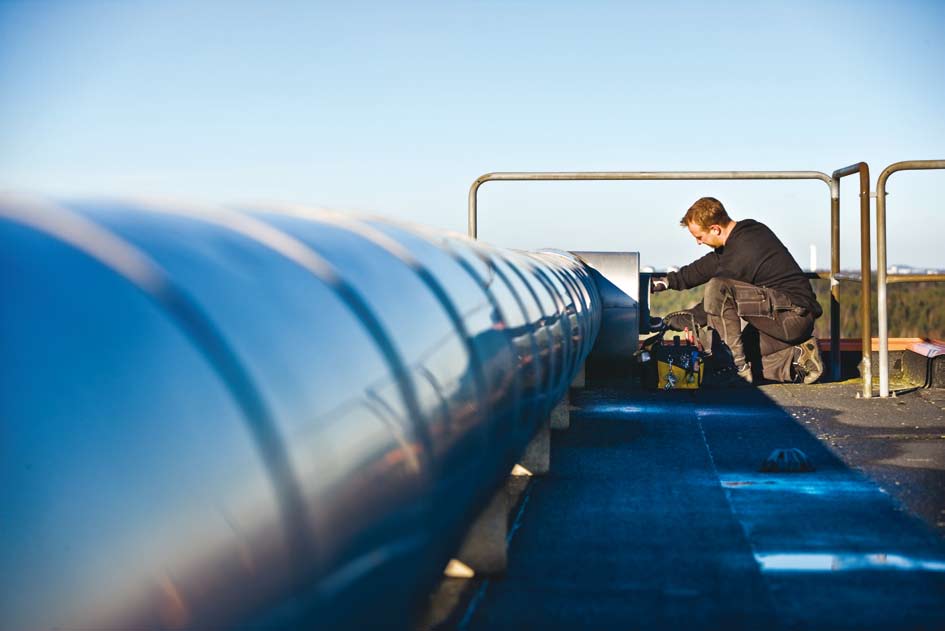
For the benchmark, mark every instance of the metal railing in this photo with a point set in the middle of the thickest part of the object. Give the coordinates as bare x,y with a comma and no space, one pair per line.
833,182
598,176
866,362
835,276
882,277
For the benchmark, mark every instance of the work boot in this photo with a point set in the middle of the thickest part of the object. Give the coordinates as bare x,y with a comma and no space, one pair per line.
807,365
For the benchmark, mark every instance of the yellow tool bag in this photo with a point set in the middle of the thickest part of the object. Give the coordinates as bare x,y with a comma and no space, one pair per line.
673,365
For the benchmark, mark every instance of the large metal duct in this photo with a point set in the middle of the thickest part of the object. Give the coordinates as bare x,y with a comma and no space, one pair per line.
248,418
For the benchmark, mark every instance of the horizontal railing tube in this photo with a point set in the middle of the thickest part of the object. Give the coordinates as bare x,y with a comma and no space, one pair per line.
570,176
914,278
848,278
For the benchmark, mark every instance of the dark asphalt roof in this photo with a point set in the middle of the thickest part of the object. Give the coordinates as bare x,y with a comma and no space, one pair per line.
656,515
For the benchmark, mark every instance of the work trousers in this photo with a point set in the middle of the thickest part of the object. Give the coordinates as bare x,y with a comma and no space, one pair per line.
779,323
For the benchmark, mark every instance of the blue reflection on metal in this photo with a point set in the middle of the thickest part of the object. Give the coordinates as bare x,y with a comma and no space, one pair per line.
844,562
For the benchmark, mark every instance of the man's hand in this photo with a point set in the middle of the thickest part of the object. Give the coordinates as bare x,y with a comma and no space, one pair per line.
658,284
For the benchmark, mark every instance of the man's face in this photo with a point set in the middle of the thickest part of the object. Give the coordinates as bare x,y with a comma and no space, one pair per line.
711,236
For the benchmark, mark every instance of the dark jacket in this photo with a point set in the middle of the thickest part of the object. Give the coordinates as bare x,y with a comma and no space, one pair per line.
751,254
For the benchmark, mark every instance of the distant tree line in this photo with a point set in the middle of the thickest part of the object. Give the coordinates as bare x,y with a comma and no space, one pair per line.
915,309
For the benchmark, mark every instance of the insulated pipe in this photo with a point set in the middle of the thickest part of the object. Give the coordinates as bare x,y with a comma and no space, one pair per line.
256,417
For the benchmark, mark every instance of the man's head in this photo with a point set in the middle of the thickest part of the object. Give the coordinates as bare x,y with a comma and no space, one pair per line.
708,222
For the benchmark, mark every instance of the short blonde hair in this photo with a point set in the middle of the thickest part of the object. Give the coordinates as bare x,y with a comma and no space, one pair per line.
705,213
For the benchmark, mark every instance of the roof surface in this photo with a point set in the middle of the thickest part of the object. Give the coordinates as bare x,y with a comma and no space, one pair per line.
655,514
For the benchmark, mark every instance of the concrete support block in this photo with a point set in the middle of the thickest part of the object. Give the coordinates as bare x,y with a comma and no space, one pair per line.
580,378
482,555
457,569
485,549
937,372
537,456
561,414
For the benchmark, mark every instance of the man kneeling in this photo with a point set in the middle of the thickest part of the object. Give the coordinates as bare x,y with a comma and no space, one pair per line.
750,276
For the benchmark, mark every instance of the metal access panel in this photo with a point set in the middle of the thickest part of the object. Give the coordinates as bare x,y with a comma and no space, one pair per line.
617,275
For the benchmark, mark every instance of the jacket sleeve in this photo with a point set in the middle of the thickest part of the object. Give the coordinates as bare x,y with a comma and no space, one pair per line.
696,273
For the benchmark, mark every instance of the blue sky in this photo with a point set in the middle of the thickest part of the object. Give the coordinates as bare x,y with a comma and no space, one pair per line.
394,108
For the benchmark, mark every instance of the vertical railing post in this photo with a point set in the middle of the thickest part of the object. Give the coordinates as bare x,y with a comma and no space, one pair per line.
881,309
866,339
472,208
881,278
866,285
834,283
